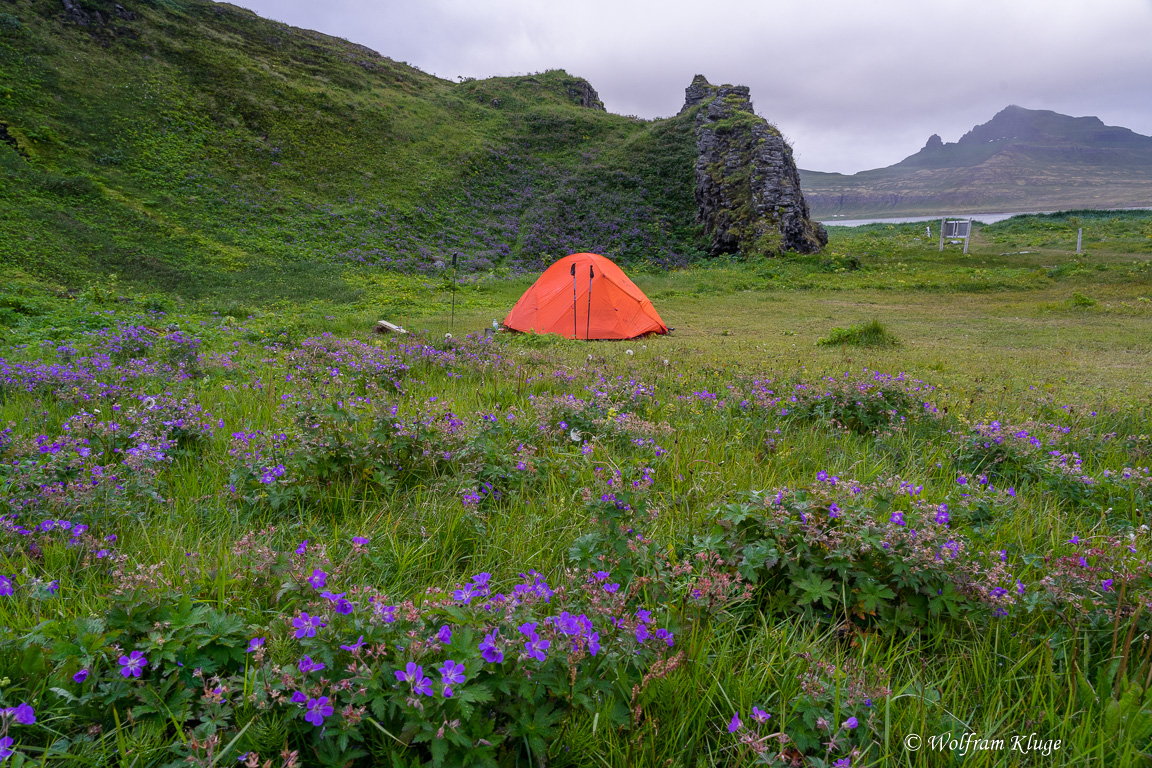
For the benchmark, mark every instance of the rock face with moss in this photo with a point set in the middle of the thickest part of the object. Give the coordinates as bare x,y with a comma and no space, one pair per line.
748,194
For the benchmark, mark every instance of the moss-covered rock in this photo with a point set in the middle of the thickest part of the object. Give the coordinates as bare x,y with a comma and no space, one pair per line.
748,194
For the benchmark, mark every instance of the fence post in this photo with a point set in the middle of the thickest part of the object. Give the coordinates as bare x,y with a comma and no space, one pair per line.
967,237
1079,238
942,232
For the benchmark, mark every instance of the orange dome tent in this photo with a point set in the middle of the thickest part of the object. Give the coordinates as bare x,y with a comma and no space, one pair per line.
585,296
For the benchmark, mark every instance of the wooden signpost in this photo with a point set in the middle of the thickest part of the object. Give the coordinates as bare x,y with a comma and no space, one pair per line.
955,228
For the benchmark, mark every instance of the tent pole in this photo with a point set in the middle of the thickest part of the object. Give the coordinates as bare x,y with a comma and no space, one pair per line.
588,324
573,301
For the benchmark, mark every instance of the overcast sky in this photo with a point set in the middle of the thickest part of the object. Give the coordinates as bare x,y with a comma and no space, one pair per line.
852,85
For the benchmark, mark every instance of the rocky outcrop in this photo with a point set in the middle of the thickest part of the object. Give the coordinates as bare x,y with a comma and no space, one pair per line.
748,194
581,92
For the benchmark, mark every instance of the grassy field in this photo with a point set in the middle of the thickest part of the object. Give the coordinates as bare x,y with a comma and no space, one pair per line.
629,543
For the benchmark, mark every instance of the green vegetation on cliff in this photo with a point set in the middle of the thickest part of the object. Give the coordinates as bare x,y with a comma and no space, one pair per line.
194,147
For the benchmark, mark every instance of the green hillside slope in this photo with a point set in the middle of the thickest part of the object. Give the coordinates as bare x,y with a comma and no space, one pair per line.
195,147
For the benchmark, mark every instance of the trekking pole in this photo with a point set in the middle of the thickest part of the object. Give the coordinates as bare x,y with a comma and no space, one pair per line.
573,301
588,324
452,322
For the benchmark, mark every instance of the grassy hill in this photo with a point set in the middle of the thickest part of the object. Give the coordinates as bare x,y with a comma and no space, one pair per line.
1020,160
193,147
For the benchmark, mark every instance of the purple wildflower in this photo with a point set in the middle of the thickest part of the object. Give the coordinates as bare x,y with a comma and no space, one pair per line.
318,709
851,722
306,625
80,676
133,665
317,579
445,635
254,643
22,713
535,646
760,715
307,665
489,651
451,674
735,724
355,646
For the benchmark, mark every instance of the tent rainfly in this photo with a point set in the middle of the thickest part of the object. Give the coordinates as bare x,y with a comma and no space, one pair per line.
585,296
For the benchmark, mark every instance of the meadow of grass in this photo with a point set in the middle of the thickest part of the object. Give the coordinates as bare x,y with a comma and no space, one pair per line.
730,545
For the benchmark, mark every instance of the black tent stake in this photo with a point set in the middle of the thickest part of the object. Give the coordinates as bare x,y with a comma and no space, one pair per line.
573,301
588,324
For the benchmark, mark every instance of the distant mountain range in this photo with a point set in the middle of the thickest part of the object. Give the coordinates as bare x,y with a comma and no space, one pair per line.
1021,160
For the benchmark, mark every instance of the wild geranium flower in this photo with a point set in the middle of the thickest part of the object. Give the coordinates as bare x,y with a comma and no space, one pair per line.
307,665
6,750
317,579
594,643
666,636
414,673
360,541
80,676
22,713
463,595
388,613
1074,540
254,644
488,649
451,674
760,715
535,646
844,762
642,633
480,584
445,635
898,518
612,588
851,722
298,697
6,586
302,548
644,616
735,723
133,664
306,625
961,480
601,575
942,515
1107,584
528,628
318,709
355,646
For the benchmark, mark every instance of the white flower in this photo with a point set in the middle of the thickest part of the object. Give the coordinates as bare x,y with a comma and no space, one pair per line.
665,361
575,435
628,352
149,403
447,336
